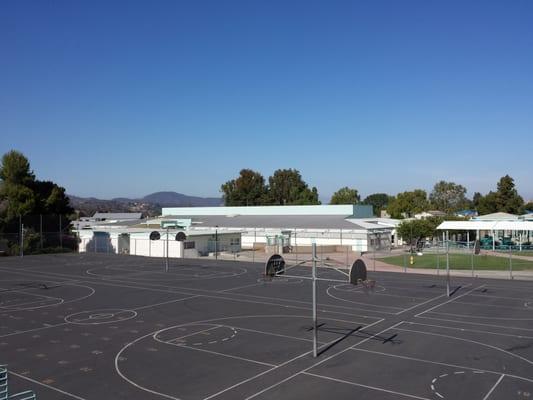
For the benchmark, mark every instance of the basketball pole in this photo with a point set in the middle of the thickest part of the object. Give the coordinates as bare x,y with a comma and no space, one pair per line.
447,264
166,260
315,325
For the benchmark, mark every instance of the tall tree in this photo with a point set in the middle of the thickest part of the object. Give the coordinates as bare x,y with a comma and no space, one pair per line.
16,175
287,187
345,195
487,204
448,197
407,204
248,189
15,169
507,197
378,201
22,194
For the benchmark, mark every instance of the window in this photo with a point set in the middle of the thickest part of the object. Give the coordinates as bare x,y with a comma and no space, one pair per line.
189,245
235,241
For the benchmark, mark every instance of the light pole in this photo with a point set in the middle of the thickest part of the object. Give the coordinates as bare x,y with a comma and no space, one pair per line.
216,242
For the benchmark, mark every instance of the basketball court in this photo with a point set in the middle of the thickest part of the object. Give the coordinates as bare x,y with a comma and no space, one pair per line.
101,326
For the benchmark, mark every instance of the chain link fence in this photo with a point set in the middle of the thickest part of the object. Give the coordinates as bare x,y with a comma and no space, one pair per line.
37,234
510,262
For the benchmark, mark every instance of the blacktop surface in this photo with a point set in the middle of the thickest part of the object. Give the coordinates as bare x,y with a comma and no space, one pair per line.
100,326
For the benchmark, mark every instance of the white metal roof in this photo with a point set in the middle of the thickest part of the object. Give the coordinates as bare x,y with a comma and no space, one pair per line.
497,216
344,210
474,225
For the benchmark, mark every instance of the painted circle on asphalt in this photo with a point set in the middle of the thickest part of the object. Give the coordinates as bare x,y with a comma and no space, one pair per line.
450,377
98,317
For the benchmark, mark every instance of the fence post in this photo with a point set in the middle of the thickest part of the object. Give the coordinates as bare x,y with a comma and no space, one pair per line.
60,233
510,262
22,240
438,258
472,259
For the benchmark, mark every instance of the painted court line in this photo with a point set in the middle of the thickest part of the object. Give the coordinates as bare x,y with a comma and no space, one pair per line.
165,302
470,330
469,341
477,323
225,355
449,301
322,361
494,387
47,386
366,386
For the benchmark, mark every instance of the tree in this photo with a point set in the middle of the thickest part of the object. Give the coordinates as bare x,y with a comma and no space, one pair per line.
248,189
15,169
413,231
487,204
507,197
287,187
345,195
448,197
21,194
408,204
16,175
52,198
527,208
378,201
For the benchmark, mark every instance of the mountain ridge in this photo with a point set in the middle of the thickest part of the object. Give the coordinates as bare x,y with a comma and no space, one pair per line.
150,204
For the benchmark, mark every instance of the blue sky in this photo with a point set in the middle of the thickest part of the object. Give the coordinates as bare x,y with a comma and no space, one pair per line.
114,98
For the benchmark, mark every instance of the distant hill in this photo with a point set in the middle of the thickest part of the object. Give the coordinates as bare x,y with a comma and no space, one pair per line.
150,205
173,199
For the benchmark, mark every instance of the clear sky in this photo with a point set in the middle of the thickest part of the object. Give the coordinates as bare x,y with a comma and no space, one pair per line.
124,98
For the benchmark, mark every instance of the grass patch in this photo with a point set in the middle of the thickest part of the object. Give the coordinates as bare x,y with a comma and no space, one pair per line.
460,261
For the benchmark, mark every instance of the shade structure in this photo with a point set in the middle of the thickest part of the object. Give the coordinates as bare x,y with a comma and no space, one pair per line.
486,226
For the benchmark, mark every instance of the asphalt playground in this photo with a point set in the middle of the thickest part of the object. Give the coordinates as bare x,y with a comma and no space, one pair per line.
95,326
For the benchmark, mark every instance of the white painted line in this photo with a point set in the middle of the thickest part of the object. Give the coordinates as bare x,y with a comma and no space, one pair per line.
367,386
165,302
494,387
478,323
441,363
32,330
47,386
226,355
322,361
470,341
470,330
420,304
449,301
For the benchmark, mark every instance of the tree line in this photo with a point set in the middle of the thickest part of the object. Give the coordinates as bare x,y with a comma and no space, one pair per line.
287,187
23,195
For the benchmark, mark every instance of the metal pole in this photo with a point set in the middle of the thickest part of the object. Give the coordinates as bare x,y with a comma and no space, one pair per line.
510,262
22,240
253,245
216,244
41,229
166,260
472,261
374,254
438,258
447,263
60,233
404,262
296,244
315,324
